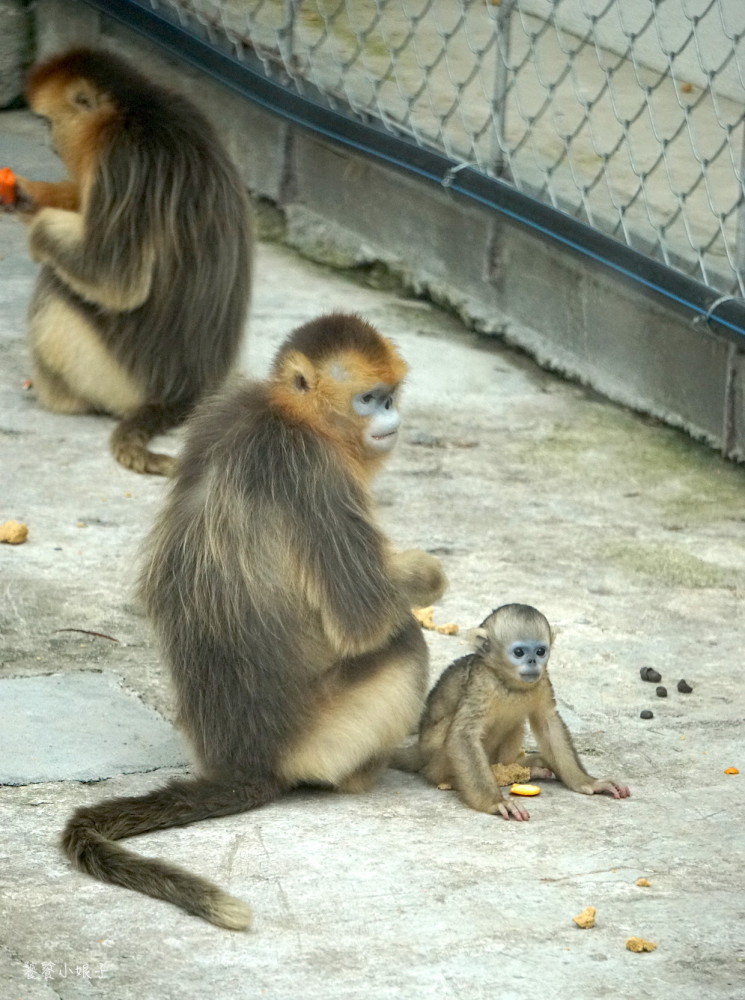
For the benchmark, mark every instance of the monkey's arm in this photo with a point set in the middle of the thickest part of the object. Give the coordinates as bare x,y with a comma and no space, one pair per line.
469,764
418,575
34,195
107,267
342,563
557,752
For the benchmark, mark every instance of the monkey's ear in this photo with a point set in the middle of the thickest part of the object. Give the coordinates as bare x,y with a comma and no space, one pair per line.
479,639
82,96
298,373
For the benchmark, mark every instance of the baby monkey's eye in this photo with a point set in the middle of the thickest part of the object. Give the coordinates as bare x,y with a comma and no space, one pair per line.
541,651
519,651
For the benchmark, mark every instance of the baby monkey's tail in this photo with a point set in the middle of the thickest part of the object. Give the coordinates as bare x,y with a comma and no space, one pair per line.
129,441
90,835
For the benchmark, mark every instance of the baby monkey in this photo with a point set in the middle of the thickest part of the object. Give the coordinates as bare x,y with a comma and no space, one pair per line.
476,713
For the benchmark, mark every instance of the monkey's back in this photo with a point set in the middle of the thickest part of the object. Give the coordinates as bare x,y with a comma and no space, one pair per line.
442,701
164,183
226,581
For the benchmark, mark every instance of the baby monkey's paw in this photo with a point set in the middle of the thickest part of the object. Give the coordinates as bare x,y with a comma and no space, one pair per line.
614,788
509,809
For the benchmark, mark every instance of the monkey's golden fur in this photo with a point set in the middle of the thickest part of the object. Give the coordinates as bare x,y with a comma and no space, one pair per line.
146,250
476,715
281,610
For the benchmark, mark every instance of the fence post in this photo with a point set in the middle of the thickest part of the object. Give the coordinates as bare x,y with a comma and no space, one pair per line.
502,16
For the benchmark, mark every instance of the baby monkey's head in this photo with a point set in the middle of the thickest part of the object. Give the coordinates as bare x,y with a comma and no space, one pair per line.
515,641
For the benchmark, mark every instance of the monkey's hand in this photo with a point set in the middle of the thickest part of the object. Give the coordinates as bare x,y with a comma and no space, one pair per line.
25,203
494,804
509,809
596,785
31,196
419,575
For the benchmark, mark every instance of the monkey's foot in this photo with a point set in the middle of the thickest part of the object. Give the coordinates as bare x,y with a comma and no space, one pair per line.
541,772
614,788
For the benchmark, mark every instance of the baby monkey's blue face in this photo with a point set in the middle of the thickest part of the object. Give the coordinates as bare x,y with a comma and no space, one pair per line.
529,657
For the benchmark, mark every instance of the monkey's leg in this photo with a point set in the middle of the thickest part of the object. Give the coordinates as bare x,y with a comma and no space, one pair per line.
556,750
507,748
373,709
537,765
73,370
53,392
130,438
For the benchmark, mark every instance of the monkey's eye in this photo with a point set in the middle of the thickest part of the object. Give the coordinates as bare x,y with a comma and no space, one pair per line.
518,651
541,651
367,398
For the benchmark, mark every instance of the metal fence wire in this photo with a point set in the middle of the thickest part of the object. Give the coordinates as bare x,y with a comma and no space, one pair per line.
627,114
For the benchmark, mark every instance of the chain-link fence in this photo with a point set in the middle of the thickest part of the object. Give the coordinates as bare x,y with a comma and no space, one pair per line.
628,114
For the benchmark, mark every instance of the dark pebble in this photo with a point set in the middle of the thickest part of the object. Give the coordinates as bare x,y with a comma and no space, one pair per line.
684,687
646,714
661,692
650,674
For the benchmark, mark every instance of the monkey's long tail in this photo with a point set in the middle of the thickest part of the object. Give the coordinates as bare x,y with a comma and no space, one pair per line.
90,835
129,440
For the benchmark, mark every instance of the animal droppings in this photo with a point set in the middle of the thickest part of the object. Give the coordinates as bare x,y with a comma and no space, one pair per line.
650,674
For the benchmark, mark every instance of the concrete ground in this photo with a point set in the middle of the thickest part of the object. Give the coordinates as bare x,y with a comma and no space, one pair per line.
628,535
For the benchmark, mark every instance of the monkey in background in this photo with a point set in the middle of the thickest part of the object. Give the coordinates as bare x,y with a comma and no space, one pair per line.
280,608
475,715
145,253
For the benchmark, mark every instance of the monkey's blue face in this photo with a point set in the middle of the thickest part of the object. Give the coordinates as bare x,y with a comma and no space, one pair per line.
382,419
530,658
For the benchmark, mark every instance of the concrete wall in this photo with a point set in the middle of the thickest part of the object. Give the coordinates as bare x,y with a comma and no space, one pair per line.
572,315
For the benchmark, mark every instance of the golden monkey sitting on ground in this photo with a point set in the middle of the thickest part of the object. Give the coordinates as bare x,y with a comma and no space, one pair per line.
282,611
476,714
145,252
